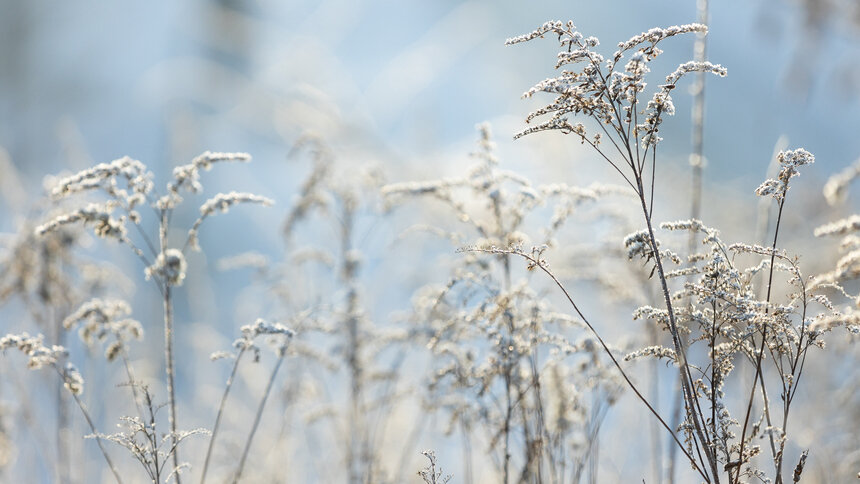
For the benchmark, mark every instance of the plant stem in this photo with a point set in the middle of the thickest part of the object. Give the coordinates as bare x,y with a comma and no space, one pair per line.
218,416
171,385
93,430
168,346
507,429
760,353
693,412
257,418
608,352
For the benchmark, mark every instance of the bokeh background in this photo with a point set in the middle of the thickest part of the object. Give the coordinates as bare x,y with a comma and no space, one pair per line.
394,85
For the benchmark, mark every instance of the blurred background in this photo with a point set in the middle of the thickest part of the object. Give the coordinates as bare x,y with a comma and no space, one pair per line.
392,87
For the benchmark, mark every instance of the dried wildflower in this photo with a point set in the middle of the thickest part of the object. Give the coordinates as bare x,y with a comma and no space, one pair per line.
151,448
837,186
281,337
127,184
251,260
840,227
430,474
789,161
104,176
99,216
721,309
188,176
490,332
100,319
607,95
653,352
41,356
260,328
656,34
638,244
170,266
222,203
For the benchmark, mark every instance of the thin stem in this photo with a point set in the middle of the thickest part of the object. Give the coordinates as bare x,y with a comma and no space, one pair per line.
606,350
467,455
542,432
168,346
132,382
766,407
507,429
152,436
257,418
609,161
218,416
698,115
760,353
693,409
92,429
657,458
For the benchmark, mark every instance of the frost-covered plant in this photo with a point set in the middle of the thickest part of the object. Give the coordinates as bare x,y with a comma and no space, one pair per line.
345,364
280,337
56,357
126,186
48,276
140,436
343,333
724,313
842,279
431,475
499,349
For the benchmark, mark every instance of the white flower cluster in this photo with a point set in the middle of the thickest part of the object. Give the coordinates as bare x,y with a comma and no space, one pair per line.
104,175
222,202
789,160
169,265
656,351
554,26
188,176
99,215
657,34
601,91
41,356
100,319
836,187
263,328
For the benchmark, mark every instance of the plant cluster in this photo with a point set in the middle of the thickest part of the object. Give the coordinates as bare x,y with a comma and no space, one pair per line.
485,347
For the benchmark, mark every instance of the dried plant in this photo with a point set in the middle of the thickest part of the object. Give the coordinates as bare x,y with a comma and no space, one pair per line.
280,337
525,388
126,185
345,364
48,276
55,357
724,313
142,440
430,474
501,350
